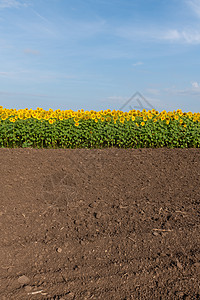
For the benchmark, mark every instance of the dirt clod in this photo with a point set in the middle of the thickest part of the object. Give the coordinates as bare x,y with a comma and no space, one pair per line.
23,280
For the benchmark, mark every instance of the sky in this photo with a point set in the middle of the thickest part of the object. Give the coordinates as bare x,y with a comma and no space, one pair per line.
96,54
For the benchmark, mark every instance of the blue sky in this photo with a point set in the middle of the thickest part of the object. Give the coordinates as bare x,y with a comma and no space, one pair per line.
95,54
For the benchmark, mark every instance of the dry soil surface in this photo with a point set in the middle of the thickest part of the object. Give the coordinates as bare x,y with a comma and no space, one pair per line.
99,224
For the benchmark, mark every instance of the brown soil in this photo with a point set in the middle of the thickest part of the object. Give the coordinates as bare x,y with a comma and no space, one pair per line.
99,224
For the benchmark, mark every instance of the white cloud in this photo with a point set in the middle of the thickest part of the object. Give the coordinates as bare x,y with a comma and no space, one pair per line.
195,6
139,63
188,37
40,16
191,36
31,51
153,91
15,74
184,36
172,35
195,85
192,91
11,4
4,73
5,93
38,75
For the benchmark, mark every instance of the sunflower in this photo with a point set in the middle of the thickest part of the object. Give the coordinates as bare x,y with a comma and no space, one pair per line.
76,119
163,118
108,119
189,114
51,121
21,116
76,124
53,115
142,123
122,119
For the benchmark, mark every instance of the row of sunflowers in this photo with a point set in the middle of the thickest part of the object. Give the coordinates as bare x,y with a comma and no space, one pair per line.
90,129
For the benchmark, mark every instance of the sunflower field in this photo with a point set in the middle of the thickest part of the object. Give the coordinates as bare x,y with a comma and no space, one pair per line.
90,129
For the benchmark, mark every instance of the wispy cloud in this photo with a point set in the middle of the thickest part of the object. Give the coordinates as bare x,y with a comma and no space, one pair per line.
40,16
37,75
185,36
188,37
4,73
83,29
5,93
191,91
12,4
31,51
138,63
14,74
171,34
154,92
194,5
195,85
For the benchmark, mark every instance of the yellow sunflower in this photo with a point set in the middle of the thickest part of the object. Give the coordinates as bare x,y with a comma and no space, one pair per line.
122,119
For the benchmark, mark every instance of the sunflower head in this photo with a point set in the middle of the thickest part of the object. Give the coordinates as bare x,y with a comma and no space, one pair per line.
122,120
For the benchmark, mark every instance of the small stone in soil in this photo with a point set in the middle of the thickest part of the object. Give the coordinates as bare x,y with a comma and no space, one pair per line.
23,280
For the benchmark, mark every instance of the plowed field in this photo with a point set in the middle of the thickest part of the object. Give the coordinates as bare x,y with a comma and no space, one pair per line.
99,224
